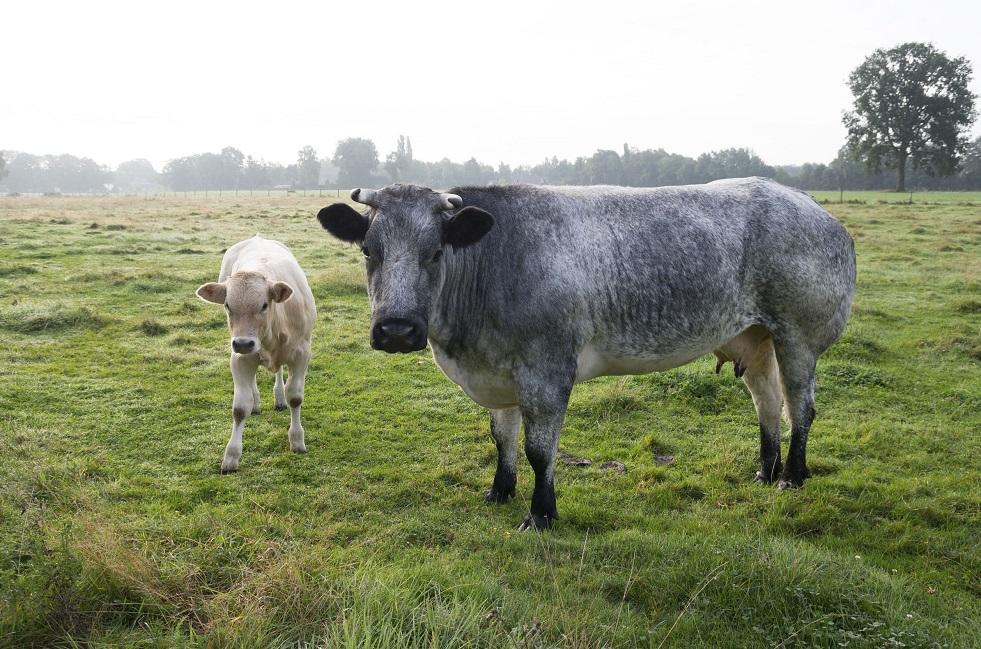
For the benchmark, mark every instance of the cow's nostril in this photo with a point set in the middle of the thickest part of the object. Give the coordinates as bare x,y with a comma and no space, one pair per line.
398,329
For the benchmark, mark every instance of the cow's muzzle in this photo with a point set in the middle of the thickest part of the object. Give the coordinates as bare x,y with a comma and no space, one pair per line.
398,335
244,345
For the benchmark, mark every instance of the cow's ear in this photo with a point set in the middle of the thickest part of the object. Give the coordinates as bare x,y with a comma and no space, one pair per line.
467,227
344,222
280,291
212,292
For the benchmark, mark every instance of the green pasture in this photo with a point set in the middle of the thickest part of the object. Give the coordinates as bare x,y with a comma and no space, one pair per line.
116,529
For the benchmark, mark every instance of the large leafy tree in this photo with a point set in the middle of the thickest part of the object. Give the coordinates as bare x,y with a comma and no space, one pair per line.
308,167
357,159
912,105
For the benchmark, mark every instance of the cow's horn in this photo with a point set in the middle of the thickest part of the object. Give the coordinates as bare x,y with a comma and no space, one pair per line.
364,196
450,201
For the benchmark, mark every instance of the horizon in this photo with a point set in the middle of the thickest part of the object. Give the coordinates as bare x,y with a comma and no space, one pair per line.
482,85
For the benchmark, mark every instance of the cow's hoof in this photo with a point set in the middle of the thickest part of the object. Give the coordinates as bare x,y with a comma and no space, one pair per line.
225,470
299,449
790,483
535,522
256,411
500,496
763,478
281,406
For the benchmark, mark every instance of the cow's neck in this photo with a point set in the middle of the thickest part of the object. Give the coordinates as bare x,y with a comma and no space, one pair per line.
269,336
458,311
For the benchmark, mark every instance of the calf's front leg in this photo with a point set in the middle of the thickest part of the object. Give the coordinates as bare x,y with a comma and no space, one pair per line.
243,378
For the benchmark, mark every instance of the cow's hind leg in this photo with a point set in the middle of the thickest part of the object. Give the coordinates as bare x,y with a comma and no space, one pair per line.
753,359
294,395
797,372
505,424
279,390
762,377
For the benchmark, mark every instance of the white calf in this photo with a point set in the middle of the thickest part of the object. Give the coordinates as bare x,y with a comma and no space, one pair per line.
271,314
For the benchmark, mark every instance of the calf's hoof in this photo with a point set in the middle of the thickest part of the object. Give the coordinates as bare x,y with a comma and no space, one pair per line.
496,495
297,444
535,522
281,406
228,467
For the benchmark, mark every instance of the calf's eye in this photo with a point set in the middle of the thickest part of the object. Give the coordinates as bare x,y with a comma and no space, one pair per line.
437,255
364,251
264,305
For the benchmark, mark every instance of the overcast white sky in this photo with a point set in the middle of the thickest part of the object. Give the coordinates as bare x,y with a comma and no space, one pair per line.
502,81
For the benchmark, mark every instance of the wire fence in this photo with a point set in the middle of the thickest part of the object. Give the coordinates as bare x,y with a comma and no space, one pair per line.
205,193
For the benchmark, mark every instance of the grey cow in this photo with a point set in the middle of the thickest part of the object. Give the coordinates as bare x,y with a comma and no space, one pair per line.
524,291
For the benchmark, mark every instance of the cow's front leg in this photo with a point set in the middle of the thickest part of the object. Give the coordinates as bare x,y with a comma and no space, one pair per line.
243,378
544,398
505,424
294,395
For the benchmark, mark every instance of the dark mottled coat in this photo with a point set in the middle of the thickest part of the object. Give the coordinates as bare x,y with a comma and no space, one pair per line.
576,282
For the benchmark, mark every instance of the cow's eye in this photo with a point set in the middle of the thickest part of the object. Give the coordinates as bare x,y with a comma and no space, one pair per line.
437,255
264,305
364,251
226,307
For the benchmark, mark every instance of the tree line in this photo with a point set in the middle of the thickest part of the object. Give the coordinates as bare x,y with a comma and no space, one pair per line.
911,113
356,162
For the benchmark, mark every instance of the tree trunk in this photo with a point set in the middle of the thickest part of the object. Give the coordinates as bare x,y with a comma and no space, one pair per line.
901,174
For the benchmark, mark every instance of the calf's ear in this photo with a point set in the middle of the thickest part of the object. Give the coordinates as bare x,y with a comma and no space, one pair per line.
280,291
212,292
344,222
467,227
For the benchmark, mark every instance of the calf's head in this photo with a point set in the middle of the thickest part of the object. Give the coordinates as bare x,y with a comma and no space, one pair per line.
403,236
247,298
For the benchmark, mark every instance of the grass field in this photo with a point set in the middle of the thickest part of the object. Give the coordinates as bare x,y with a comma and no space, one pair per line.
967,199
116,529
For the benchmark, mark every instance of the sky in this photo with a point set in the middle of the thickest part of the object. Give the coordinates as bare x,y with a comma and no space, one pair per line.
500,81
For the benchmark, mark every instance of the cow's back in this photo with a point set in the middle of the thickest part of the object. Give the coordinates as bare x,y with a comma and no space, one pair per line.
654,270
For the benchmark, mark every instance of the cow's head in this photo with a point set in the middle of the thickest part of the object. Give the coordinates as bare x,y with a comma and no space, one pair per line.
403,236
246,297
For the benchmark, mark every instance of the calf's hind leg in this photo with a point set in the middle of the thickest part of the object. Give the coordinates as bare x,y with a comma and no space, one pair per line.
294,395
505,424
279,390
